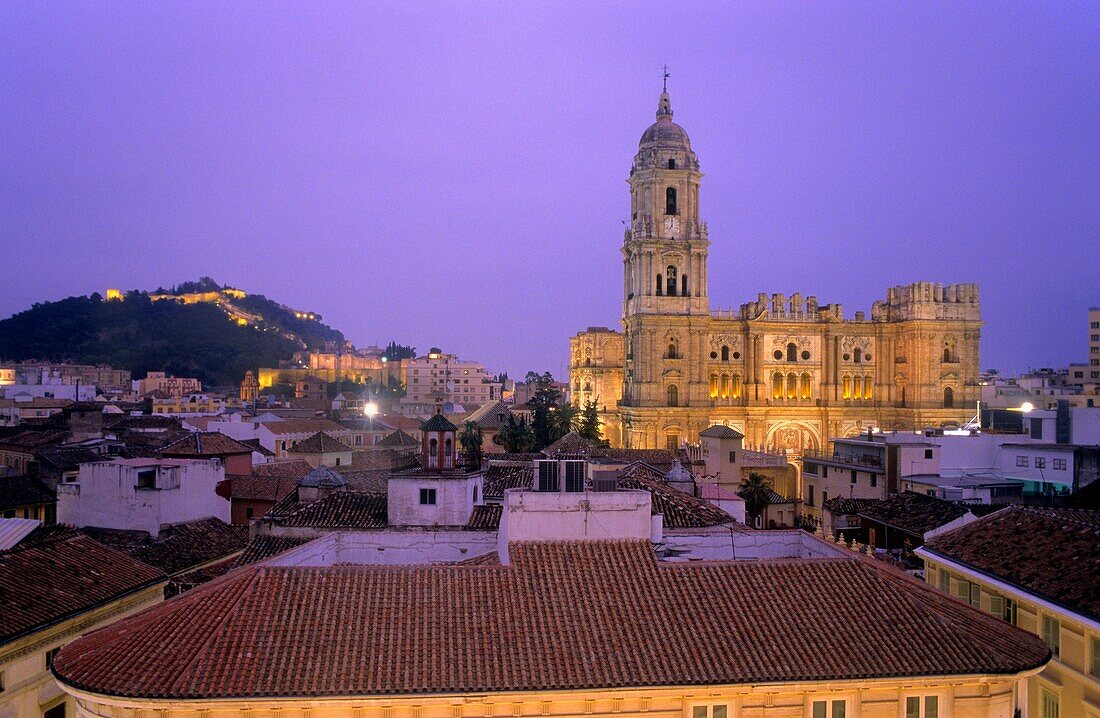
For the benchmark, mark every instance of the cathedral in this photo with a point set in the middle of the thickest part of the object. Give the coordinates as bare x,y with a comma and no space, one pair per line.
787,372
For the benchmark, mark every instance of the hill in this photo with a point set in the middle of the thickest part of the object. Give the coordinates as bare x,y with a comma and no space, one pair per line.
199,329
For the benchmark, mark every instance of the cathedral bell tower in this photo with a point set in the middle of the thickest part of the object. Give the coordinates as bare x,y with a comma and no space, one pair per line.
665,245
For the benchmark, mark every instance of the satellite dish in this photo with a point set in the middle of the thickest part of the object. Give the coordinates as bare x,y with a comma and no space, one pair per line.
448,408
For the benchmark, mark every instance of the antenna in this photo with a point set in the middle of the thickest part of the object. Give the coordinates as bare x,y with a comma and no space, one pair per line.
664,78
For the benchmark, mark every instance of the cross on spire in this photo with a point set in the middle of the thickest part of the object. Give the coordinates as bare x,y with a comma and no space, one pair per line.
664,79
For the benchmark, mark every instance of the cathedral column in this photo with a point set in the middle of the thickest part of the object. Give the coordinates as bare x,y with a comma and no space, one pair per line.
827,368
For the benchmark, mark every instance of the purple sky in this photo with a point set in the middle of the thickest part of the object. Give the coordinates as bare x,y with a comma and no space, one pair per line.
454,174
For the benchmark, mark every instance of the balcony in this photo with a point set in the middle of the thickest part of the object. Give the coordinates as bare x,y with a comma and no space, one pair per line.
864,462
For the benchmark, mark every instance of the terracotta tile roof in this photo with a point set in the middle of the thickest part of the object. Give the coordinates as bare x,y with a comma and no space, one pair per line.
913,513
257,447
774,497
718,431
438,422
384,459
398,438
144,422
68,459
186,581
572,444
843,506
680,510
18,491
372,481
505,457
499,479
290,469
488,416
1053,554
249,487
409,630
30,440
485,517
205,443
265,546
179,547
319,443
62,574
338,510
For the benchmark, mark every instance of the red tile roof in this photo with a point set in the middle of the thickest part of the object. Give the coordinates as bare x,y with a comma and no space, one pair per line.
679,510
338,510
319,443
205,443
585,615
265,546
913,513
485,517
180,546
1053,554
63,574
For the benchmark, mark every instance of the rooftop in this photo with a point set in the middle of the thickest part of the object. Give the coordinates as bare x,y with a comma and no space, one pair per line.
319,443
1053,554
205,443
57,573
457,629
913,513
179,547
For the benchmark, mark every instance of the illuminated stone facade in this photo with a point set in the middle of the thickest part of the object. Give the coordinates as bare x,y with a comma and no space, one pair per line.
787,372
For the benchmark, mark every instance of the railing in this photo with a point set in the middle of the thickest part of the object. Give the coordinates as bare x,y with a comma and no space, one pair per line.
866,461
760,458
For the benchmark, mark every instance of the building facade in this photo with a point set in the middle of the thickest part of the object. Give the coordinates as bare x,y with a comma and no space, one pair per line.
787,372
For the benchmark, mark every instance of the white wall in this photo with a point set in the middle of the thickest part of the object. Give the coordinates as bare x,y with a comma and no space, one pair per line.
454,500
567,516
105,495
389,547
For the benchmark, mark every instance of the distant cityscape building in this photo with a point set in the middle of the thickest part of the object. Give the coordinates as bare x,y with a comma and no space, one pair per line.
158,381
438,378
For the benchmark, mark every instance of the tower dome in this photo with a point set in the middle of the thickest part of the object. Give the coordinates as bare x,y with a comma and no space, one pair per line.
664,134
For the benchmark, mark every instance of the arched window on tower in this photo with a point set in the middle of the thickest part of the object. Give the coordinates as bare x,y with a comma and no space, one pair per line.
804,390
725,353
792,386
792,352
868,382
670,274
670,201
857,355
725,386
735,392
777,385
684,285
672,395
948,398
660,284
672,353
671,163
713,386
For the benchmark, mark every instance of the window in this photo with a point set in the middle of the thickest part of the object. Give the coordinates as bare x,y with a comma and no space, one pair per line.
146,479
672,395
944,579
1040,462
1,681
249,512
671,163
1049,702
684,285
809,494
1022,461
733,457
829,709
1094,661
670,273
857,355
50,656
792,352
57,711
670,201
975,595
725,353
948,398
913,707
928,453
1052,634
1059,464
475,494
720,710
574,476
427,497
874,480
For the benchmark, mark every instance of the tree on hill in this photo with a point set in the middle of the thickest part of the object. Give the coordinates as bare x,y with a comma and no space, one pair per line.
397,352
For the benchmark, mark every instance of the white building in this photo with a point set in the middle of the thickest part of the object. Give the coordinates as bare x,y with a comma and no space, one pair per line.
142,494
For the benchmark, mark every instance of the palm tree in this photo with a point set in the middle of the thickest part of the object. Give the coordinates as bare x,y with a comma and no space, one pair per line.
564,419
470,441
756,491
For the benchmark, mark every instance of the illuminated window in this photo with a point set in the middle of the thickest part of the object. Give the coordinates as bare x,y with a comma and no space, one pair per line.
672,394
1049,704
948,398
719,710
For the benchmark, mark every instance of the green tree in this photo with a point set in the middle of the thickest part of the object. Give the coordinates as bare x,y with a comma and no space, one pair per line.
589,424
515,436
546,399
397,352
470,441
756,491
563,419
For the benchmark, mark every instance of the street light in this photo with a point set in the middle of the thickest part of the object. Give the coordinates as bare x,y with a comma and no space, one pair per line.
1027,407
371,410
